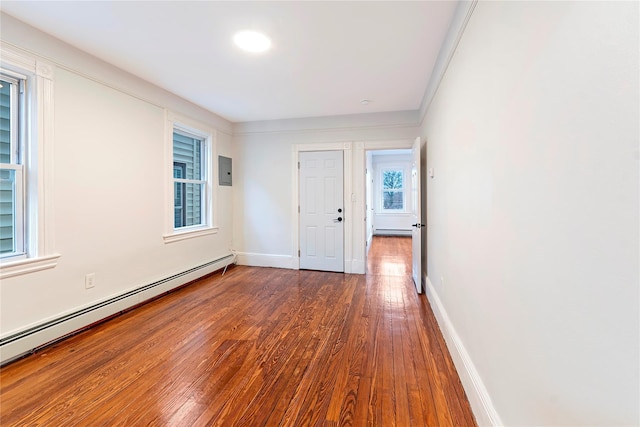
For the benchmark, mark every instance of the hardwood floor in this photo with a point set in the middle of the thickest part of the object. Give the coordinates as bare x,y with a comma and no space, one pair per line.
257,347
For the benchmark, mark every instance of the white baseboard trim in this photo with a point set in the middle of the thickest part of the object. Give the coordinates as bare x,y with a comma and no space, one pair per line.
479,399
355,266
18,343
266,260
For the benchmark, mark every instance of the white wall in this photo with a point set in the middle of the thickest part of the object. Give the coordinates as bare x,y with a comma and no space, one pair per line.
108,186
534,212
263,173
391,222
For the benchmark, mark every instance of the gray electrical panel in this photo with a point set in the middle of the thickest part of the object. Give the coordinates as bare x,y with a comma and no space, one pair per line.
224,170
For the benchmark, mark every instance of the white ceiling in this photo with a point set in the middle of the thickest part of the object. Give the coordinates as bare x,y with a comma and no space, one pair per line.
326,56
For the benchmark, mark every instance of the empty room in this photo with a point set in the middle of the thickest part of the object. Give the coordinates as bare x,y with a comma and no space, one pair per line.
386,213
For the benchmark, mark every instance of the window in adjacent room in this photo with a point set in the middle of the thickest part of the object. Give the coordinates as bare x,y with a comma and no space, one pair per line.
392,190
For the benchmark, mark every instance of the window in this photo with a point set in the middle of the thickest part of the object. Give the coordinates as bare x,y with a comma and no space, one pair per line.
12,230
393,189
192,192
179,195
26,152
189,180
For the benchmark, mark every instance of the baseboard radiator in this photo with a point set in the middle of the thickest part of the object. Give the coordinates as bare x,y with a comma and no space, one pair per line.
18,344
391,232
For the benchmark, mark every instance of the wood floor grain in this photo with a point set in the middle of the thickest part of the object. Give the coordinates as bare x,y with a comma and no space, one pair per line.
257,347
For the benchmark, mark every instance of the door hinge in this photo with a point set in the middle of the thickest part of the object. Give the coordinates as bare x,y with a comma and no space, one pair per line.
298,253
298,165
298,208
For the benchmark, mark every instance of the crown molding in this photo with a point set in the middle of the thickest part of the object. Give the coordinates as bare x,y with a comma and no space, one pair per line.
461,17
384,120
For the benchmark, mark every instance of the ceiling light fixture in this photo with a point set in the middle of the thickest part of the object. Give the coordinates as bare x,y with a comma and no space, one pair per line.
365,102
252,41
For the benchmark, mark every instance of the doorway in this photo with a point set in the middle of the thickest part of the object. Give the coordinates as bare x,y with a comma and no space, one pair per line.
394,200
388,188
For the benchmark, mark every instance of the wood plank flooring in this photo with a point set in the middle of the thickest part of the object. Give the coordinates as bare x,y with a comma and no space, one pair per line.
257,347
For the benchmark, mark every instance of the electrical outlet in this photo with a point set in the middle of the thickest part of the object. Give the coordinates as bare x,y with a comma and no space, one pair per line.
90,281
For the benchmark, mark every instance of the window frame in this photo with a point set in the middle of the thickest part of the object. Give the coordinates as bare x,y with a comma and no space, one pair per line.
382,190
191,128
16,162
203,167
183,202
36,156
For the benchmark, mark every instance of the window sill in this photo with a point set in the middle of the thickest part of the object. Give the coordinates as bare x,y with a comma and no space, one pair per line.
28,265
189,234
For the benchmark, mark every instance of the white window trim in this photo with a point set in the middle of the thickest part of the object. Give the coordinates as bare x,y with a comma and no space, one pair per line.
382,168
28,265
19,137
39,131
209,136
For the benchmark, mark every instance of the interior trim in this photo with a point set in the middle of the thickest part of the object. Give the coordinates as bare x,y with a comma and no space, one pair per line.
479,398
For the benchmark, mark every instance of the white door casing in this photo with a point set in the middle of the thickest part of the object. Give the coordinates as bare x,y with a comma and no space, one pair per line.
322,216
416,217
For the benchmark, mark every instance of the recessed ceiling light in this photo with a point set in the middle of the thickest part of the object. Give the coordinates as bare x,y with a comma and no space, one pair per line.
365,102
252,41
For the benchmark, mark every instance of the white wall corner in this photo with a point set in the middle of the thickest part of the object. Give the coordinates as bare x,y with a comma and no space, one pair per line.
479,399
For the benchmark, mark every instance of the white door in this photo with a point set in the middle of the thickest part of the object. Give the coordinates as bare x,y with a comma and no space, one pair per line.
321,211
368,214
416,217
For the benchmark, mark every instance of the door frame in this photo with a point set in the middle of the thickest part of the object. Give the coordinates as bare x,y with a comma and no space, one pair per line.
347,182
417,232
361,160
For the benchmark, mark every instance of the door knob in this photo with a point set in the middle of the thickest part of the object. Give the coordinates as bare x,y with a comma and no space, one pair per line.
339,219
